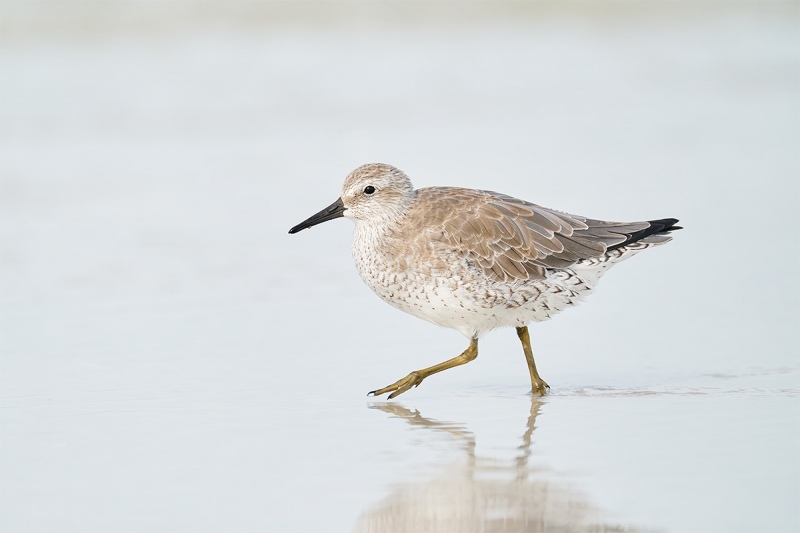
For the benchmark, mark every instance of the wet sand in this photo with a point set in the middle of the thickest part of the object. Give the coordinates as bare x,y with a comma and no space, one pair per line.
172,360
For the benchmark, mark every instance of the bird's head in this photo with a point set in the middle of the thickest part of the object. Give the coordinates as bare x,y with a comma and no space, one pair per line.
373,194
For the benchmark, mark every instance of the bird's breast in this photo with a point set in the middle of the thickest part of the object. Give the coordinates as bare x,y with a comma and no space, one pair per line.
410,274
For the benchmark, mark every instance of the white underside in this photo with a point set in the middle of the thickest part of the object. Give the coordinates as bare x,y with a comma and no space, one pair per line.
466,300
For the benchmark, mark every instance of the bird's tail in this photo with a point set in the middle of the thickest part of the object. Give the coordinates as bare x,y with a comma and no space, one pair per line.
657,233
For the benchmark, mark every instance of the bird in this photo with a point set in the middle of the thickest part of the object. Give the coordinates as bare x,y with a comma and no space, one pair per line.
475,260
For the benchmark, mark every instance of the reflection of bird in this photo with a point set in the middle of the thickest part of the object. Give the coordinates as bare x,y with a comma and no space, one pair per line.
476,260
481,494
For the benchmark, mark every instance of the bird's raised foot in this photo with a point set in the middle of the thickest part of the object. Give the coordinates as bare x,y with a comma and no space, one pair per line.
400,386
539,387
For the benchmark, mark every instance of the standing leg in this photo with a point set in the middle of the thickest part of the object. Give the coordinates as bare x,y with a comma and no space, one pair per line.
538,385
416,377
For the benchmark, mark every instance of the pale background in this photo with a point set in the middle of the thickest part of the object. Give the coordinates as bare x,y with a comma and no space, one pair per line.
172,360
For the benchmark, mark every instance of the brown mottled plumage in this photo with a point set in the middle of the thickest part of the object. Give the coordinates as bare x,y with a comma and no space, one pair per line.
512,239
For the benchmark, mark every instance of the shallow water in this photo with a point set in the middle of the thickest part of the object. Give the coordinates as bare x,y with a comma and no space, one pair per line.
172,360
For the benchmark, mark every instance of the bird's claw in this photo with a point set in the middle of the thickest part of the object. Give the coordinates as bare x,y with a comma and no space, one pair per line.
540,387
400,386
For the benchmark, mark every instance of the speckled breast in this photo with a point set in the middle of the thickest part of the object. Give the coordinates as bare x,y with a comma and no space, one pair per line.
442,287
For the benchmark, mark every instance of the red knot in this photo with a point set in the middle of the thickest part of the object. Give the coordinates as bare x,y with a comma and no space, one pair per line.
476,260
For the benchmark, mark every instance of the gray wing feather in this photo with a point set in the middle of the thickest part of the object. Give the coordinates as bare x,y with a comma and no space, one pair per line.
511,239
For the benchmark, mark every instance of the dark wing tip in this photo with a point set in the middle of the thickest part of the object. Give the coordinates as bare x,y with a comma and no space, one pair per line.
664,225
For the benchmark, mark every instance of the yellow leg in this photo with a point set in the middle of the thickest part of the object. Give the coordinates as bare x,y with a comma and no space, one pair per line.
538,385
415,378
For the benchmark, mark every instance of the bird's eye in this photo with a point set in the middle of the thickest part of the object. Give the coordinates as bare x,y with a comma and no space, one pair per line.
369,189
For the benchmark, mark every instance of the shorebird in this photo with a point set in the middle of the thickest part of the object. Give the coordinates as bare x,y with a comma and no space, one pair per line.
476,260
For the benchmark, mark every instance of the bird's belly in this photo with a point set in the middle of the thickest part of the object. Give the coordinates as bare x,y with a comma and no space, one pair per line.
440,300
467,301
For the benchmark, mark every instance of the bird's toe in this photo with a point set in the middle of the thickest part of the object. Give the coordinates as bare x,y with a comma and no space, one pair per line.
400,386
540,388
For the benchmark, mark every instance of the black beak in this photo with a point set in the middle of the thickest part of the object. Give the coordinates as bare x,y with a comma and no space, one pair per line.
335,210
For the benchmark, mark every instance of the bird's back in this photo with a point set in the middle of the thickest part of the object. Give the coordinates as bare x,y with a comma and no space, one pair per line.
511,239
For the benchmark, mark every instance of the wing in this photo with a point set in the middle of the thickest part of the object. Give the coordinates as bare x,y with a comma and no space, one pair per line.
511,239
